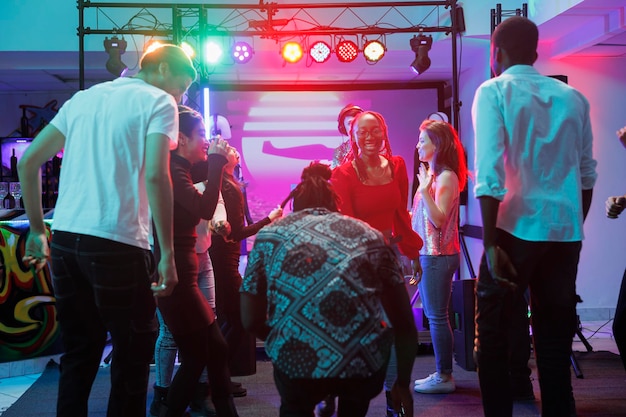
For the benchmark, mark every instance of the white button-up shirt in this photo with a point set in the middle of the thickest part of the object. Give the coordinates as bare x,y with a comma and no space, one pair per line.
533,148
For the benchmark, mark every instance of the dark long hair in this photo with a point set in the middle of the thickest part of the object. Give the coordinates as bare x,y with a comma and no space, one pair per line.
188,119
449,151
314,189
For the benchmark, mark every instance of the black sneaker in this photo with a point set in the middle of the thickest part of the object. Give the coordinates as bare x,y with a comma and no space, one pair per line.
237,389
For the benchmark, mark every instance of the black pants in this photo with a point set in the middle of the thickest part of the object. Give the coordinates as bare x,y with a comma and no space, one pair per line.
101,285
549,270
619,322
205,347
519,344
241,344
298,396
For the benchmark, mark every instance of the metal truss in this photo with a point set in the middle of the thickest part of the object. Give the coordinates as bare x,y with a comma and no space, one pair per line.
193,22
272,20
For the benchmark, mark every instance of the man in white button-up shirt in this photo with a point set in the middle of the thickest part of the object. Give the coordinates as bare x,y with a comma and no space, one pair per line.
534,178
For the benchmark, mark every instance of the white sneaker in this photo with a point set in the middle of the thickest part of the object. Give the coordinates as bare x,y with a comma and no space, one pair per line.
434,384
424,380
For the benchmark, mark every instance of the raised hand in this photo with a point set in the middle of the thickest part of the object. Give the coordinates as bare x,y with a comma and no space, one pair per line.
218,146
276,213
425,178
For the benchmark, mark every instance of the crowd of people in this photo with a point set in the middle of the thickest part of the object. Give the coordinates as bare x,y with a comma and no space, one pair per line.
149,222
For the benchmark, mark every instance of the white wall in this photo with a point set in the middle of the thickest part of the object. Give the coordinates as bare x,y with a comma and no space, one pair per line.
603,258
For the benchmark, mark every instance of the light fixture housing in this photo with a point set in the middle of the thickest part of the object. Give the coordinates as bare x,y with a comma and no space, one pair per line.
421,44
320,51
292,52
346,51
373,51
241,52
115,47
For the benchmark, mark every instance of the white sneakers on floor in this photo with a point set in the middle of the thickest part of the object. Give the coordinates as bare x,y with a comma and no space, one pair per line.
435,384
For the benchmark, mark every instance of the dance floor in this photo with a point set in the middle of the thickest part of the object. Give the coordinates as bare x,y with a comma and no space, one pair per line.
601,392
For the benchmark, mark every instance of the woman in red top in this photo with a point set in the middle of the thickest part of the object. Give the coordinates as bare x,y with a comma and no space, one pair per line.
373,186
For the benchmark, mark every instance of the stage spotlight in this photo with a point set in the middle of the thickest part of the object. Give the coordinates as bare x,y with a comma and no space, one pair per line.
115,48
346,51
421,44
320,51
212,52
188,49
292,52
373,51
241,52
153,44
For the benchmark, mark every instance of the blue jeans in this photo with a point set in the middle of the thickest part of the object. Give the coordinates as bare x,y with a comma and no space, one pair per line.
101,285
165,348
549,270
206,278
435,290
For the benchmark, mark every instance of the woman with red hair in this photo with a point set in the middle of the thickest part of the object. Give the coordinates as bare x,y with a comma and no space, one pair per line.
442,176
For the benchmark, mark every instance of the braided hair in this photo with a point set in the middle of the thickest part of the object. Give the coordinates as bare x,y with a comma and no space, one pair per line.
354,154
314,190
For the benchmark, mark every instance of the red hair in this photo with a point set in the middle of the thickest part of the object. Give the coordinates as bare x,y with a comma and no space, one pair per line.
449,152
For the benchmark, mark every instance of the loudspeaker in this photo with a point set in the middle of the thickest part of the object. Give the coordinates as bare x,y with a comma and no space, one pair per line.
463,324
460,19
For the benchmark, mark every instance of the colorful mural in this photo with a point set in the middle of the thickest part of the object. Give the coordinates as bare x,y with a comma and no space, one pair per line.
28,321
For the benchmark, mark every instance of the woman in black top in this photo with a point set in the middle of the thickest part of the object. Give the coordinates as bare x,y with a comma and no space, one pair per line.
225,254
186,311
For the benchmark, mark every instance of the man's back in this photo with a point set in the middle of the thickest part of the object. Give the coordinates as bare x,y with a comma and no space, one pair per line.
325,273
102,188
536,155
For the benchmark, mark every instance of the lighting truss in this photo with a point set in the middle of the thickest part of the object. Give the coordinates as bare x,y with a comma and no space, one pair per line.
279,22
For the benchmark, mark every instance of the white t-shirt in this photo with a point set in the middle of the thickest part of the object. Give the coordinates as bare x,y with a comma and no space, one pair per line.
203,241
102,188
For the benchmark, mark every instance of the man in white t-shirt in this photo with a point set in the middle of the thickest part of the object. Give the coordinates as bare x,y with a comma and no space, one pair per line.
116,138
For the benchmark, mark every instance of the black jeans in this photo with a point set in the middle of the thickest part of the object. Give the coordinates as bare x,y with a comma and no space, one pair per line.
241,345
299,396
101,285
203,348
549,270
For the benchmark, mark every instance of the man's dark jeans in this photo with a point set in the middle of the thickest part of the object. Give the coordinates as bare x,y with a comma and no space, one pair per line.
298,396
549,270
101,285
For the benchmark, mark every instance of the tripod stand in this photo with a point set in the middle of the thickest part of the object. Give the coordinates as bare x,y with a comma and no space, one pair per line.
577,371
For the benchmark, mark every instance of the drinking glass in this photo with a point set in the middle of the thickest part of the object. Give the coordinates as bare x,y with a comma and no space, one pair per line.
4,190
16,191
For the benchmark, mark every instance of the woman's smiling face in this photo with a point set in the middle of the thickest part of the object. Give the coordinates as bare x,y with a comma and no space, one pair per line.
369,134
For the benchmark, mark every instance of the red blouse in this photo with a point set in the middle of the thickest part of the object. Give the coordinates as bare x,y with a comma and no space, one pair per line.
384,207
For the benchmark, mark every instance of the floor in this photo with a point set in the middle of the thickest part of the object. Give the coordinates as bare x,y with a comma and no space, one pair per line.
598,334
